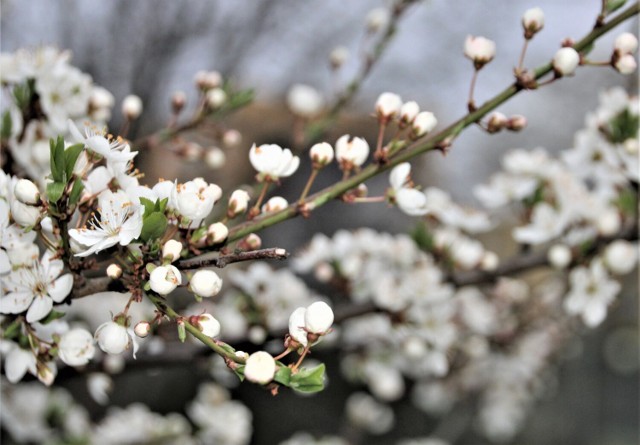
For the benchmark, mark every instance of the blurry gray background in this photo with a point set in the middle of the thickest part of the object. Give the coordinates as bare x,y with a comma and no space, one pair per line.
153,47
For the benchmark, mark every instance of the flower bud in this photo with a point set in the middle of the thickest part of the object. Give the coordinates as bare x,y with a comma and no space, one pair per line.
631,146
217,233
164,279
620,257
205,80
238,202
423,123
178,101
321,154
216,97
231,138
113,338
608,222
480,50
192,151
408,112
215,158
377,19
351,153
565,61
26,192
131,107
205,283
76,347
626,64
532,22
24,215
207,324
253,242
257,334
304,101
318,318
516,123
625,43
388,106
559,256
142,329
171,250
339,55
275,204
497,122
489,261
114,271
297,326
260,368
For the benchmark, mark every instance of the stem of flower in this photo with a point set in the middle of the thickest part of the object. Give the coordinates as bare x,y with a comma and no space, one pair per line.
522,54
368,199
305,351
256,208
470,102
307,187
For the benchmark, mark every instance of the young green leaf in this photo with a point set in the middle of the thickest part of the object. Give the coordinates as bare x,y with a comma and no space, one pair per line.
5,132
76,191
153,226
308,380
53,315
70,157
55,191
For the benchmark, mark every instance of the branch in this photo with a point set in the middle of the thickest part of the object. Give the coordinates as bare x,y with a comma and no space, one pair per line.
92,286
322,197
221,261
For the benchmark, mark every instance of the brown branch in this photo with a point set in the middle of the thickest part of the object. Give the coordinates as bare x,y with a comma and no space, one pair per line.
222,260
92,286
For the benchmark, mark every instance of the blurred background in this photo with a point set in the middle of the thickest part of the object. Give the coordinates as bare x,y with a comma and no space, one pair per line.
154,48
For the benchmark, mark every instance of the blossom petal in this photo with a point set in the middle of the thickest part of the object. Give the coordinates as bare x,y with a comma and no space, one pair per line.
15,302
18,362
60,288
39,309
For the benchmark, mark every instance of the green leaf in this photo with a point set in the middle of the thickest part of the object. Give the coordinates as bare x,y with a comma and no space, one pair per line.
53,315
57,159
239,370
149,206
627,202
283,375
613,5
76,191
153,226
161,204
70,157
199,234
7,125
308,380
12,330
422,237
55,190
623,126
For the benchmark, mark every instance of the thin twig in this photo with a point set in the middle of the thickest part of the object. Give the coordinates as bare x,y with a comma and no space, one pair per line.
223,260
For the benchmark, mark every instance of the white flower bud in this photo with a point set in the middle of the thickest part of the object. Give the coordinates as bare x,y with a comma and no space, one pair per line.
516,123
409,111
257,335
231,138
215,158
608,222
377,19
192,151
620,257
321,154
626,64
216,97
99,386
423,123
480,50
388,106
253,241
351,152
566,61
142,329
217,232
208,325
238,202
304,101
171,250
260,367
497,121
205,283
178,101
113,338
559,256
26,192
532,21
24,215
626,43
297,326
631,146
275,204
206,80
114,271
490,261
318,317
132,107
76,347
339,55
164,279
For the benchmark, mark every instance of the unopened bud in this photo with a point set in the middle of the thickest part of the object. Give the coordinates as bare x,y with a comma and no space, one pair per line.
231,138
192,151
131,107
625,43
216,97
559,256
275,204
205,80
178,101
532,22
217,233
238,202
480,50
620,257
388,106
207,324
338,57
304,101
408,112
171,250
490,261
114,271
142,329
626,64
260,367
321,154
253,241
608,222
215,158
26,192
377,19
566,61
516,123
423,124
205,283
497,122
631,146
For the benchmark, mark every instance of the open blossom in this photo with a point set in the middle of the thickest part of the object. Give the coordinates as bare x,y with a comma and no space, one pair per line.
76,347
17,362
120,222
411,201
351,152
35,289
194,199
113,150
273,161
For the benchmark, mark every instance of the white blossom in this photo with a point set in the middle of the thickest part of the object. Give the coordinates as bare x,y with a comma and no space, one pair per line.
171,250
205,283
351,151
164,279
208,325
480,50
305,101
194,199
260,368
76,347
113,338
566,61
620,257
273,161
132,107
26,192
